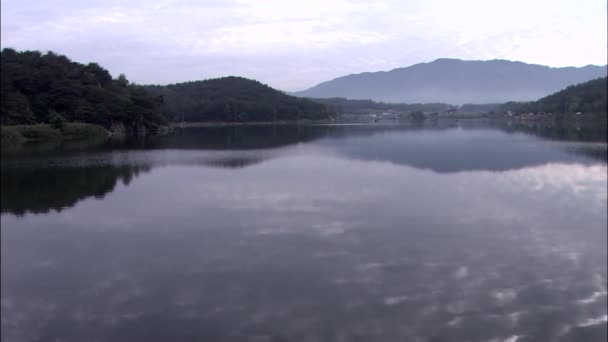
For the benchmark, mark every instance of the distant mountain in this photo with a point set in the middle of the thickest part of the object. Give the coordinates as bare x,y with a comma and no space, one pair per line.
587,97
233,99
456,82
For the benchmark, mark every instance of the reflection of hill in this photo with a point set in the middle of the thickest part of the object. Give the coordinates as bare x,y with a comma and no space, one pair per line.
39,190
263,136
438,147
241,137
234,162
39,187
584,130
595,151
461,150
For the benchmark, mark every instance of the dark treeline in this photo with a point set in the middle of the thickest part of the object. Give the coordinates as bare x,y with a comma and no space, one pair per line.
38,87
479,108
348,106
49,88
233,99
588,97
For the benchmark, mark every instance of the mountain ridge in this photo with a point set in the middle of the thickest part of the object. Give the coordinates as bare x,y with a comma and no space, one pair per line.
456,81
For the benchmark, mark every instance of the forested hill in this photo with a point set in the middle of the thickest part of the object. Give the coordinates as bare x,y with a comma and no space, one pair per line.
36,86
232,99
588,97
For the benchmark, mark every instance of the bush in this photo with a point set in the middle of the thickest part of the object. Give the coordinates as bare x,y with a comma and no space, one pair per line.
56,120
10,137
77,130
417,116
38,132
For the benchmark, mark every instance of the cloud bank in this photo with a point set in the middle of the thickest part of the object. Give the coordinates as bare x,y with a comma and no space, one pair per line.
294,45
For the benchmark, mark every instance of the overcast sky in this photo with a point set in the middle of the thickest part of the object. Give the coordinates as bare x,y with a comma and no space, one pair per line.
292,45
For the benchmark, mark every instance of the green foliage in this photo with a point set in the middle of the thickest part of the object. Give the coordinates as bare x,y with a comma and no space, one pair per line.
122,80
233,99
39,132
588,97
10,137
35,87
57,120
78,130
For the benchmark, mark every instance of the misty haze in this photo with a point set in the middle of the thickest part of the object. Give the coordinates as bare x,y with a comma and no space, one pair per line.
457,82
289,171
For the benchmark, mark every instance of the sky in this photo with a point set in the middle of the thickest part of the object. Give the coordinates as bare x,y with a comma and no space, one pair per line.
293,45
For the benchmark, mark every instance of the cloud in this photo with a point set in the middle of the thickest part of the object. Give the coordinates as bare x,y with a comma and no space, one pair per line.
293,45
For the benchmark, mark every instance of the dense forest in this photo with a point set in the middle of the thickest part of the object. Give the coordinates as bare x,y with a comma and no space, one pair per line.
587,97
41,87
349,106
233,99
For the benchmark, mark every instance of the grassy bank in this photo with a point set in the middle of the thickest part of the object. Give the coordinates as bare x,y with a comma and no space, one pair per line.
10,136
14,136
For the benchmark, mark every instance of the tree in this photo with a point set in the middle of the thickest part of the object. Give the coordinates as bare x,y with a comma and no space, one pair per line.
591,96
122,80
36,87
417,116
56,120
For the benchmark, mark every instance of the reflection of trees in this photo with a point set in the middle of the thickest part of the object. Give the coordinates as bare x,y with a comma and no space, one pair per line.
583,130
234,162
39,190
241,137
599,152
262,136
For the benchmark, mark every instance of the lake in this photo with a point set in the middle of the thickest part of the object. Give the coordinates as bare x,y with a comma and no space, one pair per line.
460,232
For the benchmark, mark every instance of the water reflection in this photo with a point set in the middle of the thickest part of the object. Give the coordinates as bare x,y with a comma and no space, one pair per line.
41,189
574,131
242,137
379,234
40,182
464,150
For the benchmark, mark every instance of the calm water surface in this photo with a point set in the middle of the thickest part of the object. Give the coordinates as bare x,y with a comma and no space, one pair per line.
329,233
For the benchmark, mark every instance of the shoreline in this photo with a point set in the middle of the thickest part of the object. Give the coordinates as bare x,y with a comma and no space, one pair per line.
367,121
250,123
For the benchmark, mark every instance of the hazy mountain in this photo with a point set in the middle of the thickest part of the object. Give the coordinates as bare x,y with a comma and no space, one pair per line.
456,81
